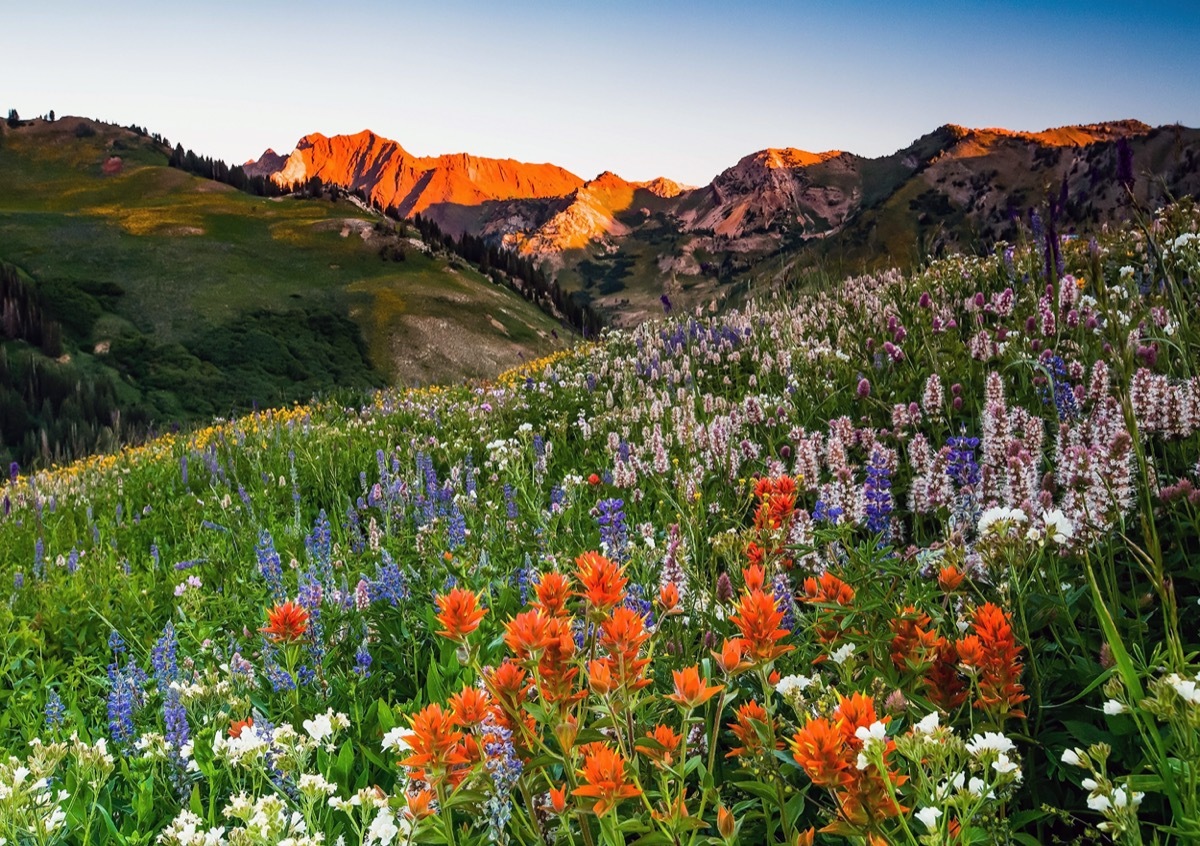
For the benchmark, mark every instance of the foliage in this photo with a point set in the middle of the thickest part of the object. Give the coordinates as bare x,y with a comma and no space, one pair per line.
910,560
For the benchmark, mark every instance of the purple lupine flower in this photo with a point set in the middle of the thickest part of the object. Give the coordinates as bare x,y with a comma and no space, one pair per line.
177,736
505,768
279,677
319,545
877,493
124,693
962,468
456,530
825,513
164,659
362,660
270,568
614,536
510,501
389,583
55,711
784,600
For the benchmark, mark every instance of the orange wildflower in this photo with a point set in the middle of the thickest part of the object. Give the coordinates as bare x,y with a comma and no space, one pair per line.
914,647
748,727
622,636
602,581
509,686
664,746
690,690
726,824
236,727
558,798
668,598
758,620
755,577
828,590
604,780
806,837
434,742
600,677
944,685
556,669
755,554
729,659
420,804
553,590
949,578
459,613
819,748
527,635
992,653
469,706
286,623
854,712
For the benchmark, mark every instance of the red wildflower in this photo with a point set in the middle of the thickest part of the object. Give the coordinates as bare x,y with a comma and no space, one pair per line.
949,578
434,742
470,706
914,647
602,581
991,652
527,635
944,685
690,690
558,798
668,599
622,636
828,590
604,780
758,620
819,748
749,727
286,623
663,746
459,613
553,590
730,658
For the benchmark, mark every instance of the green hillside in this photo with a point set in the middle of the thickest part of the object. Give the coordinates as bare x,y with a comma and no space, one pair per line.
910,560
196,299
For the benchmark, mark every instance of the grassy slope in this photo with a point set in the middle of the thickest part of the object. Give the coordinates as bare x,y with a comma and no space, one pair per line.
187,250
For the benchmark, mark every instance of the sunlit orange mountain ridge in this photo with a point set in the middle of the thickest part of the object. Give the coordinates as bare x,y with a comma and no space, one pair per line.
391,176
623,245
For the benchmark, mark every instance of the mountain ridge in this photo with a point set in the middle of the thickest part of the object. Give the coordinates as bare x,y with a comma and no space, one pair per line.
626,244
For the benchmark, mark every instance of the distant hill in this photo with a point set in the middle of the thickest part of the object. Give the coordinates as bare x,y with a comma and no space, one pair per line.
623,246
176,298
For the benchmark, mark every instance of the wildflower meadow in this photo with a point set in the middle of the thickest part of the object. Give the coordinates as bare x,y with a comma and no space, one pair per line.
901,559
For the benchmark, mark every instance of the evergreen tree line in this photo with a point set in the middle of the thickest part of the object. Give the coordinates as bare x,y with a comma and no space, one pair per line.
217,170
50,410
520,274
21,316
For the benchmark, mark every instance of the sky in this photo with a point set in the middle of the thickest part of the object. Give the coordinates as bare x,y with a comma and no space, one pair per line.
678,88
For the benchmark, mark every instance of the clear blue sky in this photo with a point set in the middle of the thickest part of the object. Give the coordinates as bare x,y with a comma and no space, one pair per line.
682,89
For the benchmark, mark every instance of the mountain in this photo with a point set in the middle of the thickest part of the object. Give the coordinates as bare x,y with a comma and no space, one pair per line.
134,289
622,246
393,177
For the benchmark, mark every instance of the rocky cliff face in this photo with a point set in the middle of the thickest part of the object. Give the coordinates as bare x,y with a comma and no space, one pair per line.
954,187
393,177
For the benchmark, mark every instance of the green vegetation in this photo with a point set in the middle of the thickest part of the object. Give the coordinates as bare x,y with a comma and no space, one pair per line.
178,298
